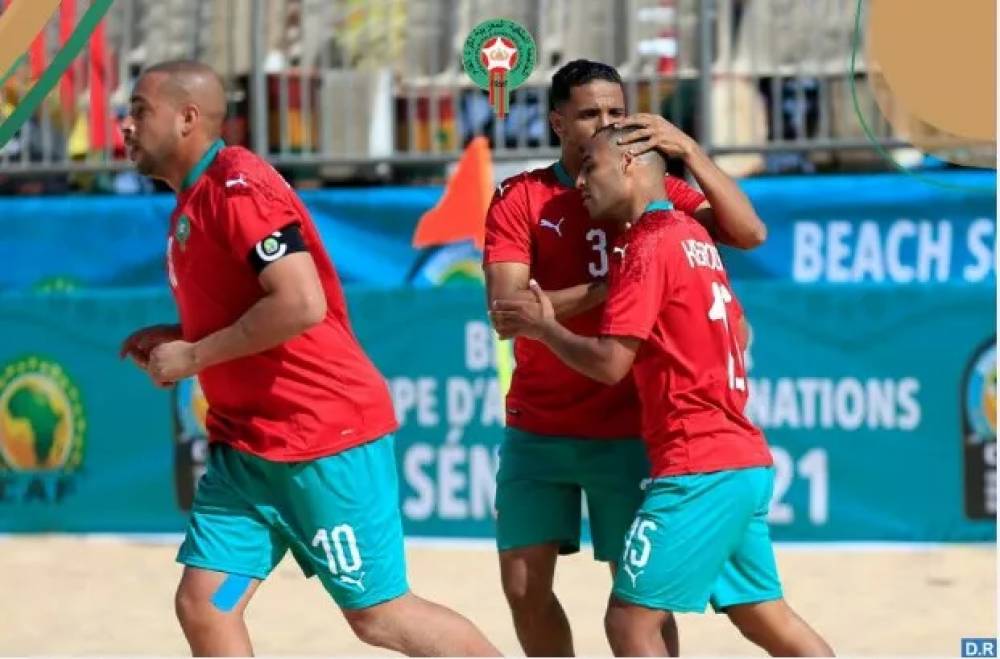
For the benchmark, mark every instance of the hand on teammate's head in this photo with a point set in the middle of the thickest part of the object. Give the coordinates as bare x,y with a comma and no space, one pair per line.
652,131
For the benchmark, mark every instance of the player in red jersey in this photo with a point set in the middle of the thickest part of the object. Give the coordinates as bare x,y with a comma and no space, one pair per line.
701,534
563,429
300,421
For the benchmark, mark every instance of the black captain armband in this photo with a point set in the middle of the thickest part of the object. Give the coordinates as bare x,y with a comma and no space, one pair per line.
281,243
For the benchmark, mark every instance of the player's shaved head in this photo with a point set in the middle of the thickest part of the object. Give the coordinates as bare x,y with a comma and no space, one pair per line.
191,82
611,135
614,180
175,114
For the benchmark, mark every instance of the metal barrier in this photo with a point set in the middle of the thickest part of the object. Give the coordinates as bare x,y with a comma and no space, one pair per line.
379,82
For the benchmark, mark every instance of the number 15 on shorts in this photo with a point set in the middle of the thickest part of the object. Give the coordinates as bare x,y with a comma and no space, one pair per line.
637,548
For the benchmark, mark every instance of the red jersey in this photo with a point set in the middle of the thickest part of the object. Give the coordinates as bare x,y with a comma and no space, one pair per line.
316,394
538,218
669,288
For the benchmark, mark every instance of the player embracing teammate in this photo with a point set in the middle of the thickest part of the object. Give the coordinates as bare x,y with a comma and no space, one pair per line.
670,323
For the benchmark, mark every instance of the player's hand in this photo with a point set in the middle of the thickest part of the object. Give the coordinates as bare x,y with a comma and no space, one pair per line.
524,315
171,361
548,311
505,325
655,132
141,342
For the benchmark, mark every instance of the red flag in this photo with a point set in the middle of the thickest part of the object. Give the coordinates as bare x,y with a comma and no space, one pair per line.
98,116
67,94
36,56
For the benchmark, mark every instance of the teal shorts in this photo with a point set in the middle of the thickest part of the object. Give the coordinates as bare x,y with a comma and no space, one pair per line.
540,483
701,538
339,516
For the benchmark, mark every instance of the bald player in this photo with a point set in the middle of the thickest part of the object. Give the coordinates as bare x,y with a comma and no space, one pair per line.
701,534
300,421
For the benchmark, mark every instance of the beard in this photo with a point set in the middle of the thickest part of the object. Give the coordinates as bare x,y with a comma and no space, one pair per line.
144,165
149,160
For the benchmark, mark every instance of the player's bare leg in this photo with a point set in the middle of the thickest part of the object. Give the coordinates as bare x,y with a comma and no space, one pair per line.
418,628
635,631
539,620
671,638
210,630
777,629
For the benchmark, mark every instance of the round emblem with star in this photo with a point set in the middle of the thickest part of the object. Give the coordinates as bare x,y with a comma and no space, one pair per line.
499,53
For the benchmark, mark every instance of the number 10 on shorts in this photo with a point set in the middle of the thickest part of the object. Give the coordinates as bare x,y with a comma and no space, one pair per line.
340,547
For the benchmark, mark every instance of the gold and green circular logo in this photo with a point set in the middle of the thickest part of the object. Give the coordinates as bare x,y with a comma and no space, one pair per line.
42,423
498,56
191,408
980,385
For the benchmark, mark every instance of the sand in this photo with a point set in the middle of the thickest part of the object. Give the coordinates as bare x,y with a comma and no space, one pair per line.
80,595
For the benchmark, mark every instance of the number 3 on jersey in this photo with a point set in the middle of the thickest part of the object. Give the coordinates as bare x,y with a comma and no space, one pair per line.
599,243
734,363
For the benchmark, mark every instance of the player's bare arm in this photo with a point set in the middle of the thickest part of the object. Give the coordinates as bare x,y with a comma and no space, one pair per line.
505,280
509,281
728,214
606,359
293,302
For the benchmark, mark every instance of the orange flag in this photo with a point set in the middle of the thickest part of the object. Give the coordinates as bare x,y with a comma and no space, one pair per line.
461,213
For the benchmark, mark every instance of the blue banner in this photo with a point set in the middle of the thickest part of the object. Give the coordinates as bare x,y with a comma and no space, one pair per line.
879,228
879,405
99,242
876,228
873,363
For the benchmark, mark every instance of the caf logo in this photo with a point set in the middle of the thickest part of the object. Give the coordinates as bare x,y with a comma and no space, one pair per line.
42,428
190,439
979,432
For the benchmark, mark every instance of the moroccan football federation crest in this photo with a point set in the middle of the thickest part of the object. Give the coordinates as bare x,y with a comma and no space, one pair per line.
979,432
183,230
498,56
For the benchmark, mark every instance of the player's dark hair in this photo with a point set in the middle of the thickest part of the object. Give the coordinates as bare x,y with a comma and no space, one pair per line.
576,73
612,133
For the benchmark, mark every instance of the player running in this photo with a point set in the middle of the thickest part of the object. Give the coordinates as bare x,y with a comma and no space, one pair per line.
701,534
299,419
567,434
